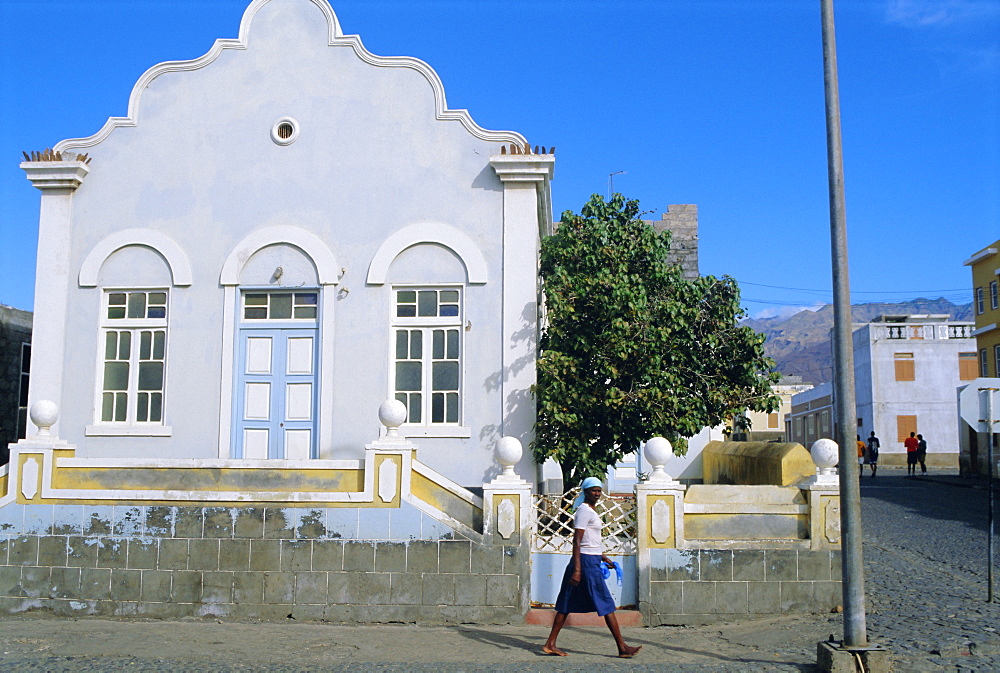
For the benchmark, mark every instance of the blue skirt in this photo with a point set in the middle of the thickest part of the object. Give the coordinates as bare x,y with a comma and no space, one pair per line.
591,594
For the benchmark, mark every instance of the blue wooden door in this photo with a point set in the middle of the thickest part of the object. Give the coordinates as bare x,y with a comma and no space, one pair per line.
275,415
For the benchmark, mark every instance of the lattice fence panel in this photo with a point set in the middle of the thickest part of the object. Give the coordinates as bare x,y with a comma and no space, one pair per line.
553,530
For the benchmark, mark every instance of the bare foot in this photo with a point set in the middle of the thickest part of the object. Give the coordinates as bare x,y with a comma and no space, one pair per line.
628,652
555,651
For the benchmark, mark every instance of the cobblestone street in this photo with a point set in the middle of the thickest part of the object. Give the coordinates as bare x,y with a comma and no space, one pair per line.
926,570
925,560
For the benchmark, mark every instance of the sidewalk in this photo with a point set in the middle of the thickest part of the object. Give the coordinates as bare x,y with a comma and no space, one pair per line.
37,642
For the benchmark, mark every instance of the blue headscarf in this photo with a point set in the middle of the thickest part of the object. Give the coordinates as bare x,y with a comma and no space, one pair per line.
589,482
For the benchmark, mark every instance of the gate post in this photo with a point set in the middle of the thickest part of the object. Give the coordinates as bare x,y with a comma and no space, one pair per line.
823,492
508,517
659,501
507,511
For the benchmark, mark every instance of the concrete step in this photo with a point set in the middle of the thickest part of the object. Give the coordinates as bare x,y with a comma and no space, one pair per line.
544,617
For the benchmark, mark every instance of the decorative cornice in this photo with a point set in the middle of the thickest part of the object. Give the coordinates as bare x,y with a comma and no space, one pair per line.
984,329
335,39
55,174
523,167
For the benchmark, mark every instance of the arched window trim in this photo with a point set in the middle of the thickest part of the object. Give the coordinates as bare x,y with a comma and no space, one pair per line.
310,244
177,262
431,232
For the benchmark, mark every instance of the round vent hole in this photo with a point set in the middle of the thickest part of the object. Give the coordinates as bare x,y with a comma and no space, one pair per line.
285,131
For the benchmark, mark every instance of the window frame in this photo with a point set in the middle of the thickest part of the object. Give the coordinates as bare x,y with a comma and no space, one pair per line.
984,363
968,363
24,379
267,321
980,304
427,325
904,426
996,359
904,366
994,299
134,326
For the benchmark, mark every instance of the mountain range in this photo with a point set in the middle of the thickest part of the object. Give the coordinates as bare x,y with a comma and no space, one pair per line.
800,344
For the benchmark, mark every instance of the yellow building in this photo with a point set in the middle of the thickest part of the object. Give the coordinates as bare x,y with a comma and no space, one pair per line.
986,305
768,427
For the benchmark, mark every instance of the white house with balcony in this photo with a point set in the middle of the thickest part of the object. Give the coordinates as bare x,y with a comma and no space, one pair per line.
906,371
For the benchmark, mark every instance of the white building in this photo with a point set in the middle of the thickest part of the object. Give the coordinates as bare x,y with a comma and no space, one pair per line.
282,234
906,371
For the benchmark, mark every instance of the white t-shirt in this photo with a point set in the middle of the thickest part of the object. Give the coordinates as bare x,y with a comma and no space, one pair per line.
586,519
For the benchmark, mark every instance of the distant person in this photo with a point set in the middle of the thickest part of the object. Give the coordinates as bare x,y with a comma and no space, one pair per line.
911,443
862,447
873,446
922,453
583,587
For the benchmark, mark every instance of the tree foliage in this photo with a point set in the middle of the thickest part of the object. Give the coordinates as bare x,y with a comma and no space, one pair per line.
630,349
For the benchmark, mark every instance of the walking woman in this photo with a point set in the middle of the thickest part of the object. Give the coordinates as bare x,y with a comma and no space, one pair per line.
583,586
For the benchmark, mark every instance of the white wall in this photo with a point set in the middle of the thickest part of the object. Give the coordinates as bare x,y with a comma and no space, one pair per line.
200,166
931,396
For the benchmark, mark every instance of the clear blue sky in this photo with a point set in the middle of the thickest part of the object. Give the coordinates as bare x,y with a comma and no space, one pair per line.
713,102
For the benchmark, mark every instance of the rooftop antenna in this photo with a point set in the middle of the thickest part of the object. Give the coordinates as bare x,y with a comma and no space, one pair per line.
611,182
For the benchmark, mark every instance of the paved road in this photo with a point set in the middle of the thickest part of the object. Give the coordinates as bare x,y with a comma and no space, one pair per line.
926,583
926,569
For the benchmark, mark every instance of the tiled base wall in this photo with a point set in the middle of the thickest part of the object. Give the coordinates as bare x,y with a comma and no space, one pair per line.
698,586
249,563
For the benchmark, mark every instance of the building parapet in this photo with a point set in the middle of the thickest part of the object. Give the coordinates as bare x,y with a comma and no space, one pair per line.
922,332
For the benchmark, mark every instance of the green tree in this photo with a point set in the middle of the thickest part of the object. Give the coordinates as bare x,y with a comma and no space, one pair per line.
630,349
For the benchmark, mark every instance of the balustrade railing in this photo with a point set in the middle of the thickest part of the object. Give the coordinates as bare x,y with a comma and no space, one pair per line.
922,332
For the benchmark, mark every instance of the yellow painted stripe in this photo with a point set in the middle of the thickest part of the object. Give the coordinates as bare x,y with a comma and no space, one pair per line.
207,479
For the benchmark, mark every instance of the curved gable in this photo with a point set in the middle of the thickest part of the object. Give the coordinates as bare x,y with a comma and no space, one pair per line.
335,38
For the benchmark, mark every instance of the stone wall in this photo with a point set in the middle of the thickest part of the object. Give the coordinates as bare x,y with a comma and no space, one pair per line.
333,564
682,221
706,585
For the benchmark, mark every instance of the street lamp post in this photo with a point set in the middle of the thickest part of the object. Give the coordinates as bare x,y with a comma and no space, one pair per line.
855,630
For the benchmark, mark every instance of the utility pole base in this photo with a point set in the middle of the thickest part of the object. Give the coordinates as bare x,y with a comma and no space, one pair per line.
834,657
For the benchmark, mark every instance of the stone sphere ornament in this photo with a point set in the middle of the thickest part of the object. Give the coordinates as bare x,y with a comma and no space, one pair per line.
826,454
658,451
392,414
44,414
508,451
